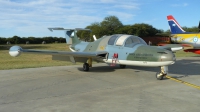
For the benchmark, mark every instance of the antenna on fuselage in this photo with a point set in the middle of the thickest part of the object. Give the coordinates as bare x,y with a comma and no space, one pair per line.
94,37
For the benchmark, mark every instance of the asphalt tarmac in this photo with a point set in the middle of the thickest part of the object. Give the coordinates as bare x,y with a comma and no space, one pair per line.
102,89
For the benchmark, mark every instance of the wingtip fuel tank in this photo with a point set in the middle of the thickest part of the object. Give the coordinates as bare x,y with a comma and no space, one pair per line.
15,51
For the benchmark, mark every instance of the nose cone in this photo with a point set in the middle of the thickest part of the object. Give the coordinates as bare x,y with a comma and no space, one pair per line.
15,51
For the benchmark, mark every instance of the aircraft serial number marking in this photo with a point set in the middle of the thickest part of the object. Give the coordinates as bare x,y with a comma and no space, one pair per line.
138,54
140,57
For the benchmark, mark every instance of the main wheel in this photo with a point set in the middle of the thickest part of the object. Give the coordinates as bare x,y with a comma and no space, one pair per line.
85,67
159,77
122,66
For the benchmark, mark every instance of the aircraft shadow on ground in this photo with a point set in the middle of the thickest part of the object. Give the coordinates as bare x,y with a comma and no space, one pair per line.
101,69
184,67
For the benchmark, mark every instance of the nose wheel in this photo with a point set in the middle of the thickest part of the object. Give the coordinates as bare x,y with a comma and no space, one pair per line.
163,73
160,76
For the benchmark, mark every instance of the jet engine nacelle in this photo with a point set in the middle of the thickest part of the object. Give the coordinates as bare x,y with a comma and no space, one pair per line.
15,51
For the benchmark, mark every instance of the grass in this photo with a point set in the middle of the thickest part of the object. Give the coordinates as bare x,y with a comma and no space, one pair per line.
37,60
31,60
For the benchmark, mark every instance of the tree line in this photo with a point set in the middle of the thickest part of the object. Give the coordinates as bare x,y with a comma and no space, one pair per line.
31,40
110,25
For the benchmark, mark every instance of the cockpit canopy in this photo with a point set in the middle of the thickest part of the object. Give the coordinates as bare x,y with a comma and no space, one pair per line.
125,40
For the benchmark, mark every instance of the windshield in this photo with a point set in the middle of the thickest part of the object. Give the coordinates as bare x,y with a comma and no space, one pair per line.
133,40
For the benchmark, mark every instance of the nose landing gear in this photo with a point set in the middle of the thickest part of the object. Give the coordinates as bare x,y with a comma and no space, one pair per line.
163,73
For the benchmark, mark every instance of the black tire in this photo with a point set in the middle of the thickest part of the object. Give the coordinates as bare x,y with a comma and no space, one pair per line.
122,66
85,67
160,77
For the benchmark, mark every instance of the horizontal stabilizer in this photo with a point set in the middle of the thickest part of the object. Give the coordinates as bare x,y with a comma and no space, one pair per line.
60,28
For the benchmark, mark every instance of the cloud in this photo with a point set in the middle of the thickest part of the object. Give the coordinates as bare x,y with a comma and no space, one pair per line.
34,15
179,5
128,6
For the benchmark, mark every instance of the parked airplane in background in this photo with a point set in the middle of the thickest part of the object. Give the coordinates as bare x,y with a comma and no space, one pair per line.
183,37
118,49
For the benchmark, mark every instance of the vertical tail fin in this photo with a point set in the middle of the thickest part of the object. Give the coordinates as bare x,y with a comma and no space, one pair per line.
68,34
175,28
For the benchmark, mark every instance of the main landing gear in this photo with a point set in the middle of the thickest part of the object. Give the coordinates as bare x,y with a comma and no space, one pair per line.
163,73
87,65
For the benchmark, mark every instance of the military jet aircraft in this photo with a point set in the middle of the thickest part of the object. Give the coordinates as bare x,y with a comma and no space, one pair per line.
182,37
118,49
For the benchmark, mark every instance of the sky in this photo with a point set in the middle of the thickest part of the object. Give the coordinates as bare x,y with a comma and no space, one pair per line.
27,18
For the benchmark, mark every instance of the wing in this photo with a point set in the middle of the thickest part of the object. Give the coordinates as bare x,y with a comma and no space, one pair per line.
61,55
185,47
172,47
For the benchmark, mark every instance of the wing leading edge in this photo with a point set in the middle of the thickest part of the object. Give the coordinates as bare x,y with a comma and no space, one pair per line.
171,47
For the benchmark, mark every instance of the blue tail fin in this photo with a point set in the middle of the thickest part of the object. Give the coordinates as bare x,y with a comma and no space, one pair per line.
175,28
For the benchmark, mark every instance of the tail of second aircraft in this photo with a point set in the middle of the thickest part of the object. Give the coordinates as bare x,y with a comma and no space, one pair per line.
175,28
70,39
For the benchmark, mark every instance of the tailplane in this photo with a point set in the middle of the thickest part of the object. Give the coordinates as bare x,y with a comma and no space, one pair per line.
175,28
70,34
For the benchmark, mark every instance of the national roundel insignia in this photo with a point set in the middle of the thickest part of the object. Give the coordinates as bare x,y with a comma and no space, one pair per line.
195,39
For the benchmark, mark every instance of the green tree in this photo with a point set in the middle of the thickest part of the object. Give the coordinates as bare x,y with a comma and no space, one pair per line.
3,40
192,29
96,30
110,24
16,39
143,30
86,36
126,29
32,40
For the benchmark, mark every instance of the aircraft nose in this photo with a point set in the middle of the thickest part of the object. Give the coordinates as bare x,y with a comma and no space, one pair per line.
167,56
